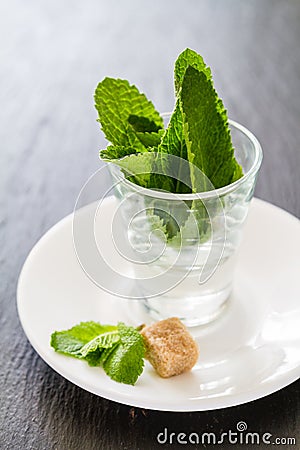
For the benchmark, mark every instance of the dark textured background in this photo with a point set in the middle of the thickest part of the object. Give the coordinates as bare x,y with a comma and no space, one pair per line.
52,56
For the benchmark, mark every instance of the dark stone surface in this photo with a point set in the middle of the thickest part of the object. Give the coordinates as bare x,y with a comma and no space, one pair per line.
53,55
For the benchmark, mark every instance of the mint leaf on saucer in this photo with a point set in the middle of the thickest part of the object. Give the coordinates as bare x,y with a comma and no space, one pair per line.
126,361
92,352
119,349
70,342
103,341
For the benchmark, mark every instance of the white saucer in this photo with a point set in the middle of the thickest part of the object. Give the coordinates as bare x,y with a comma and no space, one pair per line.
252,351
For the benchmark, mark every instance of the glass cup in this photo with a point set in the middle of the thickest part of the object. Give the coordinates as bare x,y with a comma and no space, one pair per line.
183,247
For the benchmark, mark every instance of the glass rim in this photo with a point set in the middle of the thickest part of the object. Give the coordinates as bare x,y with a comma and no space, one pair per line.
214,192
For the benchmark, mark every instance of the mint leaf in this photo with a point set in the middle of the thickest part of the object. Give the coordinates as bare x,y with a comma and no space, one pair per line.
146,131
173,138
92,351
160,179
125,363
173,143
188,58
105,353
140,168
238,172
143,124
116,152
156,223
116,100
70,342
119,349
105,340
94,358
195,228
137,167
148,139
206,131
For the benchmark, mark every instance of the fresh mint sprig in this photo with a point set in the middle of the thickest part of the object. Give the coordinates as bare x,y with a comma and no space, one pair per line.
118,349
198,132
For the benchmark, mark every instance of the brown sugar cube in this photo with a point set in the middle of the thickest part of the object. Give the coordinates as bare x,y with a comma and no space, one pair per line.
169,347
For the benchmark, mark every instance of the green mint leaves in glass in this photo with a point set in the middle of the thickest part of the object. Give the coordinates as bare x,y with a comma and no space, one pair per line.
183,176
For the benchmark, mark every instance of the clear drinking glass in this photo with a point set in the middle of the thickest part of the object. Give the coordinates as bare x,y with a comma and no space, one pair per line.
191,275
